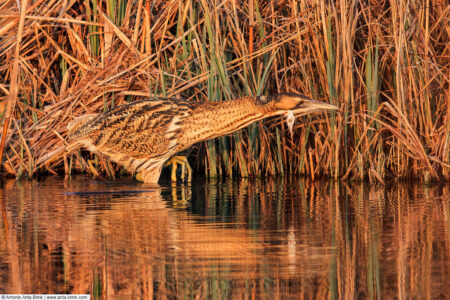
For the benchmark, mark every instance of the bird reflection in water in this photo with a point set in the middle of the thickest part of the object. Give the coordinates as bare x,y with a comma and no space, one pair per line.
262,239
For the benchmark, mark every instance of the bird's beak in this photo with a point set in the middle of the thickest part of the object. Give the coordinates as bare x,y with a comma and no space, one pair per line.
313,105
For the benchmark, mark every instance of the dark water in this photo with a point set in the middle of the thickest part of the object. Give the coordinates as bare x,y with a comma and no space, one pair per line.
245,240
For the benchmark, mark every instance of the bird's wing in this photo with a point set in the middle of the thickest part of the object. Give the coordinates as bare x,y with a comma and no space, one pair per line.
142,129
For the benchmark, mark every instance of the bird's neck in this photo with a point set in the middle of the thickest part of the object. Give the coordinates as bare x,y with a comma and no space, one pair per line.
213,119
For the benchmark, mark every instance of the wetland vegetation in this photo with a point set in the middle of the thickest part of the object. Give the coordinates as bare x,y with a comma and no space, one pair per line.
384,63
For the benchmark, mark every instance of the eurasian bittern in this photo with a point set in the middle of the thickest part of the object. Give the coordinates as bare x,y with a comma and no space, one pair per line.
143,135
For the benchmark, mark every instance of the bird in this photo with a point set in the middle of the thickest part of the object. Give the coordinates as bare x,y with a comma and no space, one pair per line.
143,135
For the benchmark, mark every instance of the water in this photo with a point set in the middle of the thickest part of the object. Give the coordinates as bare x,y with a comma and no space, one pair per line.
241,239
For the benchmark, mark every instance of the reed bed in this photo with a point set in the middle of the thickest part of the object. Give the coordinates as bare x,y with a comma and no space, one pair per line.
384,63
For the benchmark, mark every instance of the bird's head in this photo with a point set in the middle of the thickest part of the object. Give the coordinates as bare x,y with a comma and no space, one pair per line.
293,103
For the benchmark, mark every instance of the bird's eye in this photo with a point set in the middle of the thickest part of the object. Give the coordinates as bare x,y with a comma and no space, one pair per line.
262,99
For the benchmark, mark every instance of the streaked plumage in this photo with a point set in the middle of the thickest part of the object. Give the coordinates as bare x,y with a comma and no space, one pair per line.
143,135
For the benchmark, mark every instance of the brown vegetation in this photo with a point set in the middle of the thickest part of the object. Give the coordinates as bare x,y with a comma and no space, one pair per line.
385,63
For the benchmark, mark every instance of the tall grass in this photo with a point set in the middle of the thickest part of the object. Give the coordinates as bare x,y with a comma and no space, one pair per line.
385,63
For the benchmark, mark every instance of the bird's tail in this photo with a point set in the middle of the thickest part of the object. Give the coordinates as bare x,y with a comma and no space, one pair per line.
75,125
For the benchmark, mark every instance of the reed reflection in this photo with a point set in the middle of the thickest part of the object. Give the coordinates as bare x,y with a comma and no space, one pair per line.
272,238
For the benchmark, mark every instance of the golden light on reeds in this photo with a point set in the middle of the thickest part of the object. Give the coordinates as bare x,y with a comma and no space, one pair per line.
385,65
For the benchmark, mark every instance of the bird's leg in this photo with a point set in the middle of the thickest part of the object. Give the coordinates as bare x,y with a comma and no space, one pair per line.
185,168
150,175
173,175
139,176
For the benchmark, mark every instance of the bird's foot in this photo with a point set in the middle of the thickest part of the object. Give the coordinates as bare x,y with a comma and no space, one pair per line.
139,176
185,168
149,176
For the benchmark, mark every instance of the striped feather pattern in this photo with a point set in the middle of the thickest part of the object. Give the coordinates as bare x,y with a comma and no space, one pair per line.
142,135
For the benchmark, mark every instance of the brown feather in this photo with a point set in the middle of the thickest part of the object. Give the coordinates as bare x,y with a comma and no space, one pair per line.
142,135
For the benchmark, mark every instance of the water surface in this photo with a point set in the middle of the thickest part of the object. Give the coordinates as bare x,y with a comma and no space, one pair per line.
238,239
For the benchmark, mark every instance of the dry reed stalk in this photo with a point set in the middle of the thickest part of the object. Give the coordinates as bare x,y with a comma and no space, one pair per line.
12,96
